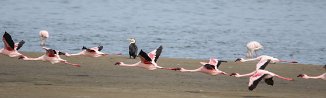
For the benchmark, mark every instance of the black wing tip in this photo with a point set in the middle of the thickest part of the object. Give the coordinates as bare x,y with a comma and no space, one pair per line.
84,48
100,47
62,53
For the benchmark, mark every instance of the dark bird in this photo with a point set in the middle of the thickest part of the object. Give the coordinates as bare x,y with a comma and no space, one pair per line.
133,49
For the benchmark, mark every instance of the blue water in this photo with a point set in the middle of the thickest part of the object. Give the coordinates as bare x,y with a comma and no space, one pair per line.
288,29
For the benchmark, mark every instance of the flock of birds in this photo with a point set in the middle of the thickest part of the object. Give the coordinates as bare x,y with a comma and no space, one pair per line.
148,60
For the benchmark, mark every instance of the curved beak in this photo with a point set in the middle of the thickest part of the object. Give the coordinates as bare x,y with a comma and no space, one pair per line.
238,59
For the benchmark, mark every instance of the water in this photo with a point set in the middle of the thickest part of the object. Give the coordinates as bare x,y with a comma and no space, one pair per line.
288,29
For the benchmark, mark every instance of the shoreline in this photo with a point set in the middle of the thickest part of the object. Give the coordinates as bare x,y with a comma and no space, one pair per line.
100,78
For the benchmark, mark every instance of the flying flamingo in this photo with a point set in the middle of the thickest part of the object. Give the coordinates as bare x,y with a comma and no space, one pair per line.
51,56
305,76
132,48
91,52
43,36
208,68
147,61
11,48
252,47
262,60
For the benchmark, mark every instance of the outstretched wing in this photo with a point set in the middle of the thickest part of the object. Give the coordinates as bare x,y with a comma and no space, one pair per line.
155,54
254,80
8,42
212,61
262,64
20,44
216,62
90,49
144,58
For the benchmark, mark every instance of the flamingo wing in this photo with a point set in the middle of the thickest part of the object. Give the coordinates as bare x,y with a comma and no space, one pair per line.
254,80
8,42
262,64
100,48
269,81
155,54
144,58
20,44
213,61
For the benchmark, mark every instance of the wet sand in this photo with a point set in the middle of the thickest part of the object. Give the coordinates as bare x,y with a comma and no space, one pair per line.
100,78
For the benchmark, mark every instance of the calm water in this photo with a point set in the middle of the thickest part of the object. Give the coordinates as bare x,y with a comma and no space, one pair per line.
288,29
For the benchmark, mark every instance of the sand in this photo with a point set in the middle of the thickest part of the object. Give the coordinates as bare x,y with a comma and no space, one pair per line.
100,78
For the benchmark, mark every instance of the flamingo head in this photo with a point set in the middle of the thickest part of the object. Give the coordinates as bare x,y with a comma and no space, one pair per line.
21,57
233,74
117,63
301,75
176,69
238,59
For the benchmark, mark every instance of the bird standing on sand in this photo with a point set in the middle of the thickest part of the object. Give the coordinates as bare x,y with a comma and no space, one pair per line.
262,60
91,52
147,61
133,49
43,36
11,48
305,76
252,47
51,56
208,68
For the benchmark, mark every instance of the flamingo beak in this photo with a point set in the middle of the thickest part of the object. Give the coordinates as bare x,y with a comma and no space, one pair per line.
176,69
21,57
117,63
238,59
300,75
232,74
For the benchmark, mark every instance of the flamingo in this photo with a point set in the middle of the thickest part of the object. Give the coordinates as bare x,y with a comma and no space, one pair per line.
262,60
252,47
51,56
11,48
147,61
257,75
43,36
132,48
305,76
208,68
91,52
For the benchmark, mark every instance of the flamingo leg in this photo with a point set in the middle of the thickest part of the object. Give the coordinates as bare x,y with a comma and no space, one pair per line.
284,78
76,65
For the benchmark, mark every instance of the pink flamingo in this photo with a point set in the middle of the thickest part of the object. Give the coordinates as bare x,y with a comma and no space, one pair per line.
147,61
11,48
257,75
43,36
208,68
252,47
262,60
305,76
51,56
91,52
